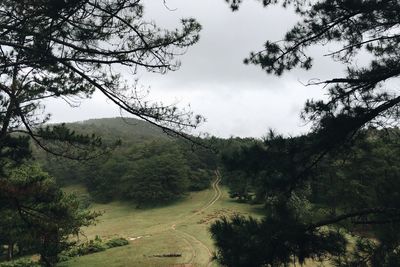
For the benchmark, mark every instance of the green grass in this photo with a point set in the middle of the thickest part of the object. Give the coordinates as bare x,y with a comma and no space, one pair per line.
138,253
177,228
189,236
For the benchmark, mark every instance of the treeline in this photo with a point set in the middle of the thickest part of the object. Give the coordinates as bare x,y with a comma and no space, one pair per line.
352,190
252,167
153,172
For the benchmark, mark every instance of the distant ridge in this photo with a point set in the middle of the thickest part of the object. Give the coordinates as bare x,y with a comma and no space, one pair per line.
127,129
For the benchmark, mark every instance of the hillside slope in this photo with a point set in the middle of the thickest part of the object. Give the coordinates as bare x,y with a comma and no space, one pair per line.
127,129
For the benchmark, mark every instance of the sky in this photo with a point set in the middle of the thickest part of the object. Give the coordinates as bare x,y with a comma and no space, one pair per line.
236,99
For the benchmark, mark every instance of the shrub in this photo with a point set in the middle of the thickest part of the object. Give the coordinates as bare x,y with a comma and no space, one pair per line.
20,263
117,242
92,246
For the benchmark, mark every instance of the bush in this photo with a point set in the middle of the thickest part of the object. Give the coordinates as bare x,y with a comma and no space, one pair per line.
85,201
63,257
117,242
92,246
20,263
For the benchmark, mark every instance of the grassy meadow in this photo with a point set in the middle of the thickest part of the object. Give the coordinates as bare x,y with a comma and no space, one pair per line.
180,228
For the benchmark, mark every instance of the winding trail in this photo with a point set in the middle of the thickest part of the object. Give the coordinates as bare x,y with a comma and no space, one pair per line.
193,238
215,198
189,239
192,250
217,195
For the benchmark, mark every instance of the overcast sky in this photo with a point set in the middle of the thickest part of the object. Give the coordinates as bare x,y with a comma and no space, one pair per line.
236,99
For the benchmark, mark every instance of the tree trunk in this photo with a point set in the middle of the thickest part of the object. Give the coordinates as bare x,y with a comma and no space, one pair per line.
45,261
10,251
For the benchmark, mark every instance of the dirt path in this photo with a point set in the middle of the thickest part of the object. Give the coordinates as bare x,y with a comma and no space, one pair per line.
217,195
217,191
195,240
189,239
193,251
215,198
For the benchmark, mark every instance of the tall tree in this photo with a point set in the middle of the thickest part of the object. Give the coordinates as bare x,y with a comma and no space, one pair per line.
368,29
37,215
364,97
71,48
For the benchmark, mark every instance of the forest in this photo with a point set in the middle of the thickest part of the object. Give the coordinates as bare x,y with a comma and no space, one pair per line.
148,188
147,168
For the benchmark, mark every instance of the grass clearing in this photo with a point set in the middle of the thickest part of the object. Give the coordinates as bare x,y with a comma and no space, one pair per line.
180,228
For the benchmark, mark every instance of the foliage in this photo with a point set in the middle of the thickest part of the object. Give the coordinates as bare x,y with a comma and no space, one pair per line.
92,246
89,247
238,168
40,218
200,179
147,169
151,173
117,242
367,29
354,189
339,175
157,179
20,263
69,49
268,249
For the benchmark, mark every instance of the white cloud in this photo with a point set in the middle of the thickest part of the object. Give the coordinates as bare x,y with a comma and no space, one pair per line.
236,99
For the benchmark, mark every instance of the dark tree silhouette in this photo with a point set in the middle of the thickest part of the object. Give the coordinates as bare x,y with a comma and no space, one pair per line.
364,97
71,48
367,29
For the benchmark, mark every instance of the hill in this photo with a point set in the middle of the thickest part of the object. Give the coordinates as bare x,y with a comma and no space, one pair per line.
127,129
149,167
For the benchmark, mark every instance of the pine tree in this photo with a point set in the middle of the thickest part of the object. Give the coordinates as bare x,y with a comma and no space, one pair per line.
69,49
317,185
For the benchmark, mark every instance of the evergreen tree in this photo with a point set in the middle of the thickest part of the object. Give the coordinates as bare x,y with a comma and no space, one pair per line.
367,28
36,216
71,48
317,185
